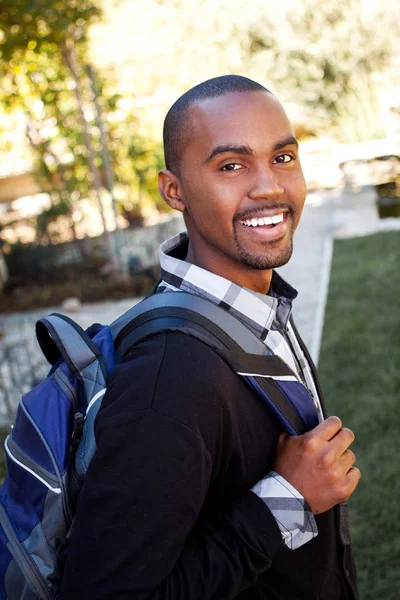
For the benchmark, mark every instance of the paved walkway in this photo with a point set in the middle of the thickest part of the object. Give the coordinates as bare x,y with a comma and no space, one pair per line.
326,216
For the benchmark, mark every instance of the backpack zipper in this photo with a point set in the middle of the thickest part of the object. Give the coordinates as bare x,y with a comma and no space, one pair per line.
23,558
28,464
64,383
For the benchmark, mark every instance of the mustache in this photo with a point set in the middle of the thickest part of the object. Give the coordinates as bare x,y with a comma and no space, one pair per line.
257,210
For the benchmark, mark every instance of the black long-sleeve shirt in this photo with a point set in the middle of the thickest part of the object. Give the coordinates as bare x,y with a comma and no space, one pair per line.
166,511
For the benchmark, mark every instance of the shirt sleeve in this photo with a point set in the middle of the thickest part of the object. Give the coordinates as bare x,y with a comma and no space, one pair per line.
290,510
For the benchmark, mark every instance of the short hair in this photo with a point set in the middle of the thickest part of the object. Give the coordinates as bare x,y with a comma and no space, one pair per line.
176,127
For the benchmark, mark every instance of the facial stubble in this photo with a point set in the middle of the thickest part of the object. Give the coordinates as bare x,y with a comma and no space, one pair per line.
268,259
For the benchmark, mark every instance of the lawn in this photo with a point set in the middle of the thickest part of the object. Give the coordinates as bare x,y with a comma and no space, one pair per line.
360,372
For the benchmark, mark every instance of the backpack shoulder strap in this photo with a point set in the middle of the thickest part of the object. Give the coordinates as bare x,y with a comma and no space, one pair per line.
171,310
313,367
60,337
244,352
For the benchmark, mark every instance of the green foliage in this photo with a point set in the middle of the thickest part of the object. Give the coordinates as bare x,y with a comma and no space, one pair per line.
39,83
330,54
137,158
359,368
43,58
45,22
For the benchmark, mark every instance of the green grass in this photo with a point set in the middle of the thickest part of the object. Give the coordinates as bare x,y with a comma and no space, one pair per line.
360,373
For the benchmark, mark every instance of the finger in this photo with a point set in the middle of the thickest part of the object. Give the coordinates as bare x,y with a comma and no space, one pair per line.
342,440
348,460
328,429
349,484
353,477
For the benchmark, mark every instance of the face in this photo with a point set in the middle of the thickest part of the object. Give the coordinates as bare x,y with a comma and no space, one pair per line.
240,187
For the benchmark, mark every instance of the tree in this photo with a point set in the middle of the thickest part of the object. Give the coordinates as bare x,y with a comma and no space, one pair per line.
46,74
39,60
328,56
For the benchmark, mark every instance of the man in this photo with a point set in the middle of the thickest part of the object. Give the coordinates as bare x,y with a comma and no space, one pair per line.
195,493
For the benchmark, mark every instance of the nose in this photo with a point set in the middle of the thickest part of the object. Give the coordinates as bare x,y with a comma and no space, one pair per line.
265,184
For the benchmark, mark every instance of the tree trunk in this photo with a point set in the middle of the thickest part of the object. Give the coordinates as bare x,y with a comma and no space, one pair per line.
69,56
109,175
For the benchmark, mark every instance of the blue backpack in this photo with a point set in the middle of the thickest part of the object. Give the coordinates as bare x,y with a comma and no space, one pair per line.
53,441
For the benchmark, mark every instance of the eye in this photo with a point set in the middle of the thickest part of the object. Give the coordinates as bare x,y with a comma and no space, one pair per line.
284,158
231,167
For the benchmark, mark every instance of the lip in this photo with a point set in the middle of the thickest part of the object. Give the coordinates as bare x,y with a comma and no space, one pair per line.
267,233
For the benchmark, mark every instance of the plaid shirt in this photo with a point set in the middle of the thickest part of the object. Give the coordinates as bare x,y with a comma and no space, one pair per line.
268,317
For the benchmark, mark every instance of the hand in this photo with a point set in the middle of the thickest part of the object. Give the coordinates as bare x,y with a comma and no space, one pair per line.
319,464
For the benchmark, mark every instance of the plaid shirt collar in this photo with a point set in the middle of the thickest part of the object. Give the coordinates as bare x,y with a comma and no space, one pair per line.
259,311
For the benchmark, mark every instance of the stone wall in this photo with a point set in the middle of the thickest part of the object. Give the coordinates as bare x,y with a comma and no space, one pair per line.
137,250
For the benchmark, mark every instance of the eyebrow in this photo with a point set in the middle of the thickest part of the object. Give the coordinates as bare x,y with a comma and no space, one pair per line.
288,141
247,151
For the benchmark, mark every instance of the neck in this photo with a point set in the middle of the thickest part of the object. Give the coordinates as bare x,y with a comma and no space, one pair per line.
252,279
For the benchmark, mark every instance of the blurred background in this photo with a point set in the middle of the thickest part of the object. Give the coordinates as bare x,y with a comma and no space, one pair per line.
84,90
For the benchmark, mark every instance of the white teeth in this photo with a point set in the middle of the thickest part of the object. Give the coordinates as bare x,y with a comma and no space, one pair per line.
277,218
263,221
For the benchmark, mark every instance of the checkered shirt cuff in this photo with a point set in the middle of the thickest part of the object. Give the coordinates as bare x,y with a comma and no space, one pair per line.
291,511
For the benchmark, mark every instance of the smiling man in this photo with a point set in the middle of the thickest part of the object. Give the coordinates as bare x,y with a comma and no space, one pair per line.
195,493
238,183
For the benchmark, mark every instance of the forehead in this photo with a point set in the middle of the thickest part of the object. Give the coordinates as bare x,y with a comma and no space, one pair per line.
255,119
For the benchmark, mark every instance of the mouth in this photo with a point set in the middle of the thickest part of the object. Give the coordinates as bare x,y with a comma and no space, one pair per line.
264,221
267,228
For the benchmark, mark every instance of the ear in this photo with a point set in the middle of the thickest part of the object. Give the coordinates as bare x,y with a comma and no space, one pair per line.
169,188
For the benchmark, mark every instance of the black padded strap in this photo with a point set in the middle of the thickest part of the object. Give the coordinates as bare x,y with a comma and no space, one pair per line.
192,308
175,319
254,365
60,337
47,345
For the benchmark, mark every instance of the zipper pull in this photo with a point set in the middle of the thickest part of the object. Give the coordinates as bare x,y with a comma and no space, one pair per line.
79,420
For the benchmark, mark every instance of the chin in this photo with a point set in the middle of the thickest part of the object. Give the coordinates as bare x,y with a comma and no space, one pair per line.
272,258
